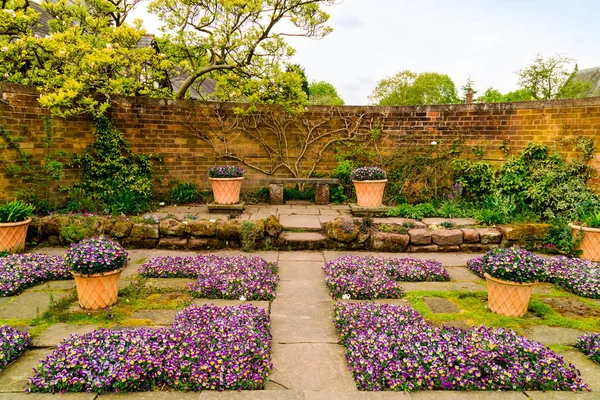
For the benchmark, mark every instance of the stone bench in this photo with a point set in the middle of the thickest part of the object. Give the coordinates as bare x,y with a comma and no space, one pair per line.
321,188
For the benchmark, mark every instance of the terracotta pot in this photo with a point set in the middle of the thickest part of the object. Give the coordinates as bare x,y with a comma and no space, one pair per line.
226,190
590,245
97,291
369,193
13,234
508,298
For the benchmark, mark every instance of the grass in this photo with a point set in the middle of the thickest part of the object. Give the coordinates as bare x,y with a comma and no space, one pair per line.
474,311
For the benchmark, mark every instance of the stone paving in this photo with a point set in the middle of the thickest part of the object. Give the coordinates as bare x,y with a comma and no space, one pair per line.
308,362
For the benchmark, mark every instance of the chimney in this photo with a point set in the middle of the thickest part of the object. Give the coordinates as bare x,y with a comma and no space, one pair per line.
470,96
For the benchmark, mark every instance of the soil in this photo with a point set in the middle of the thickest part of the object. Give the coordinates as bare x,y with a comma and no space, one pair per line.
571,307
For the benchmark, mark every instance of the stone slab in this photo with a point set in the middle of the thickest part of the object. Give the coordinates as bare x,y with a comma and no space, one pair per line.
14,378
304,222
357,396
158,317
178,284
463,395
329,212
447,259
253,395
312,367
29,305
151,396
301,270
48,396
562,395
226,208
439,305
553,335
301,256
54,285
462,274
306,290
299,212
228,303
302,240
590,371
332,255
358,211
302,322
54,335
457,222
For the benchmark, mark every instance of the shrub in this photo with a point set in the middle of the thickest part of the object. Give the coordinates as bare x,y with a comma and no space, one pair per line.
368,174
343,172
418,211
15,211
95,255
225,171
393,348
589,344
512,264
296,194
186,192
477,177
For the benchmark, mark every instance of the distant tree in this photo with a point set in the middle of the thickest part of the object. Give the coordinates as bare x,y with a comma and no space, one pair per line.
409,88
469,86
551,79
302,73
323,93
244,37
492,95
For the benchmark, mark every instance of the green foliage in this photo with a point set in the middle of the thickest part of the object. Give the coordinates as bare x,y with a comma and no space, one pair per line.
75,228
80,201
492,95
550,79
83,61
418,211
15,211
456,209
260,196
243,38
337,194
249,235
36,181
112,172
308,193
297,68
343,172
477,177
561,236
587,214
407,88
323,93
186,192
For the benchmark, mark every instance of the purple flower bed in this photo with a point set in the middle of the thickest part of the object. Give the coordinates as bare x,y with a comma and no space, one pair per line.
368,174
575,275
20,271
219,277
206,348
375,278
226,171
393,348
12,343
589,344
578,276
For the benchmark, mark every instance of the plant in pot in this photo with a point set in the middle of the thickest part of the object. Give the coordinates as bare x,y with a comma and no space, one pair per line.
96,264
586,230
369,183
511,275
226,182
15,217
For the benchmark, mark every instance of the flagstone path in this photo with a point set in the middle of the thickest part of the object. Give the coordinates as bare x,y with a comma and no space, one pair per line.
308,363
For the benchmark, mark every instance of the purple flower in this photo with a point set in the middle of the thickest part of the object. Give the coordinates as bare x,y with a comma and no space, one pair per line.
368,174
20,271
376,278
95,255
12,343
513,264
589,344
226,171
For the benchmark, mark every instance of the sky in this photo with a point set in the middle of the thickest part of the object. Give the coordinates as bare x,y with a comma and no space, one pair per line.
488,40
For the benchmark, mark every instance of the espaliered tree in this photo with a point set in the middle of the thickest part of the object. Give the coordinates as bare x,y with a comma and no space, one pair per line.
241,39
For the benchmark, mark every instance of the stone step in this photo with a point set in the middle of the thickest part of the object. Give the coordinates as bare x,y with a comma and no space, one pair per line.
307,223
302,241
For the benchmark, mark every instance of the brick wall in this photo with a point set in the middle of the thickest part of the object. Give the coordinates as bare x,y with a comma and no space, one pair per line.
173,128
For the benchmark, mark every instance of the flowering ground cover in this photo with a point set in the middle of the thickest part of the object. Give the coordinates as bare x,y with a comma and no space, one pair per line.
218,277
589,344
393,348
206,348
578,276
12,343
20,271
376,278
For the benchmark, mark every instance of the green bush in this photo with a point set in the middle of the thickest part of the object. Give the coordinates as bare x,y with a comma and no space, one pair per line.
343,172
186,192
418,211
15,211
296,194
477,177
561,236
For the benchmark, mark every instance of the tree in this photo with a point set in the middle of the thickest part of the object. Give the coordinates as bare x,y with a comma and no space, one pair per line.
323,93
240,36
300,71
492,95
409,88
83,61
468,87
550,79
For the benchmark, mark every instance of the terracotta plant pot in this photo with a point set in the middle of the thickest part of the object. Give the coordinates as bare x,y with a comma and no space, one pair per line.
226,190
590,245
13,234
369,193
97,291
508,298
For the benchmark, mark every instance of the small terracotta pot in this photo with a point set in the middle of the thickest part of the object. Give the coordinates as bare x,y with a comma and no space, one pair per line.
226,190
97,291
508,298
369,193
13,234
590,245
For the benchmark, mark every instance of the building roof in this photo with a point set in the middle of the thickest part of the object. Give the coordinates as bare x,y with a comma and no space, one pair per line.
591,76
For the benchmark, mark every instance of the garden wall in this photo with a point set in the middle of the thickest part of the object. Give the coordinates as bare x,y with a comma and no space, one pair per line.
188,134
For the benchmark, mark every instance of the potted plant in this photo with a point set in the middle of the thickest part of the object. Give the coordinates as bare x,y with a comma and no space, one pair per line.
511,275
226,182
96,264
15,217
369,183
586,231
